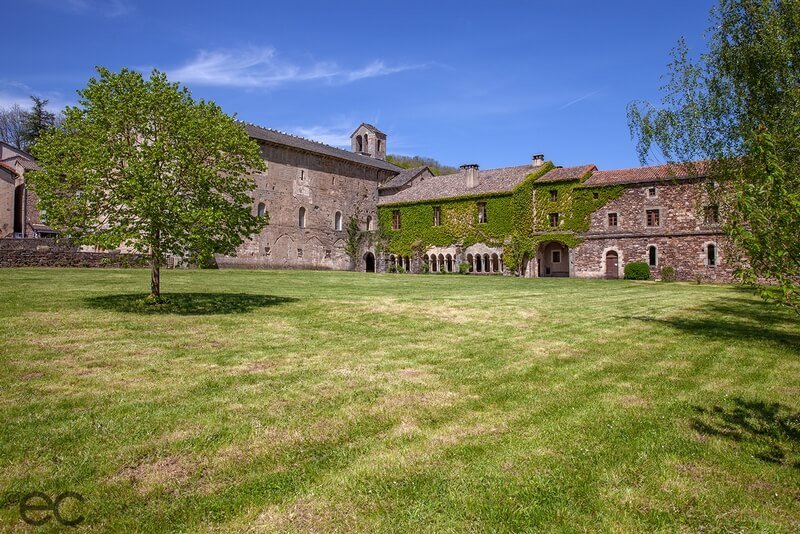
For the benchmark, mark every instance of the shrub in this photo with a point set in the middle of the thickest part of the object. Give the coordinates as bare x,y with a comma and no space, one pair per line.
401,269
637,270
463,268
391,269
668,274
426,268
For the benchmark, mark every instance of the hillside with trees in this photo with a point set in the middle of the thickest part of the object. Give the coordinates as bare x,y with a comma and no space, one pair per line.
409,162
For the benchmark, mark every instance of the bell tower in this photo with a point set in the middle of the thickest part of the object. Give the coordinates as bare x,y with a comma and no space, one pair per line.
369,141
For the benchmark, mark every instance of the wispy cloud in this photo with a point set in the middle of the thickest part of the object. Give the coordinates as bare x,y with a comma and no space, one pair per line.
260,67
580,99
331,134
104,8
17,93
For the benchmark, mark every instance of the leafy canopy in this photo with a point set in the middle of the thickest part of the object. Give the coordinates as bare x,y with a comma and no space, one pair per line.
140,162
737,107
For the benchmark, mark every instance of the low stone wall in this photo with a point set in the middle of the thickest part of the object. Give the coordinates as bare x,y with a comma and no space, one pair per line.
50,253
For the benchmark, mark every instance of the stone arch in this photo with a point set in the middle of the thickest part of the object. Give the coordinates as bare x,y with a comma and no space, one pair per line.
471,261
487,264
554,259
495,263
369,223
652,255
337,221
449,260
710,254
612,264
359,144
478,263
602,261
19,208
262,209
369,262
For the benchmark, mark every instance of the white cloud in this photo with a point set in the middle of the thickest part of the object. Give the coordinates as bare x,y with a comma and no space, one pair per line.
338,135
260,67
12,93
105,8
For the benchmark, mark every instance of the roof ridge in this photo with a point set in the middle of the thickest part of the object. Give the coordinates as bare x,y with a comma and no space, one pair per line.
286,133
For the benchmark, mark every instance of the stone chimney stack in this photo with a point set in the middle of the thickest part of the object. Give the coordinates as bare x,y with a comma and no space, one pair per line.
537,160
470,171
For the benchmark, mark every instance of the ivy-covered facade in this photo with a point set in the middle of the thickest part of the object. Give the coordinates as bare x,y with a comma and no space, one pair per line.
545,220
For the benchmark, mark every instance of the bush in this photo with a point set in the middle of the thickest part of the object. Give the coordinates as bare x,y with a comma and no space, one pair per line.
426,268
463,268
401,269
637,270
391,269
668,274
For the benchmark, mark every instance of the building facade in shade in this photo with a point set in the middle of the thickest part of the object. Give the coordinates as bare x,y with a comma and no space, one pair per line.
531,220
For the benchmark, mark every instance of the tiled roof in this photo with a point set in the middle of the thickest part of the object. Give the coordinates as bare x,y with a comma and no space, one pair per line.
656,173
455,185
280,138
371,127
404,177
566,174
26,164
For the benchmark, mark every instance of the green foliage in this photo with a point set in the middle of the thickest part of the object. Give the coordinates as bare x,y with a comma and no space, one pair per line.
738,107
518,221
411,162
637,270
668,274
463,268
352,245
140,162
36,121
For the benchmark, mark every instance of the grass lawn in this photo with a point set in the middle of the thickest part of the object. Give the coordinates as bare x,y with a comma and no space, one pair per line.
271,400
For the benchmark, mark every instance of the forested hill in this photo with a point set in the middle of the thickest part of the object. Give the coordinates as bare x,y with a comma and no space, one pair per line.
409,162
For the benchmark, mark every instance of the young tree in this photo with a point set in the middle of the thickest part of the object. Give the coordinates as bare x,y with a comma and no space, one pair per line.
36,121
12,122
737,107
139,162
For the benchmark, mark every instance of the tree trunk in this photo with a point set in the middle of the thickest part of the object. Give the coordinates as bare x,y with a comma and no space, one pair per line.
155,277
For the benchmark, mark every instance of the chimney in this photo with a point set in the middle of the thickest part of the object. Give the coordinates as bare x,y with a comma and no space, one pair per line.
471,172
538,160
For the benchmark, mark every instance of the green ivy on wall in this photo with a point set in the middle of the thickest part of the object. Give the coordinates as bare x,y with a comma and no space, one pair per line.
517,220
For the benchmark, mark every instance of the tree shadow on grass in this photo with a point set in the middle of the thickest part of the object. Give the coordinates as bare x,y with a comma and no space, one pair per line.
738,319
770,427
187,303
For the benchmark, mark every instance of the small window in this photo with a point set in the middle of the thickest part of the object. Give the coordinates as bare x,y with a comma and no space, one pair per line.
711,214
337,221
482,212
553,195
301,218
653,218
299,252
262,209
396,220
556,256
711,254
369,223
302,174
327,253
379,146
437,216
554,220
267,250
652,256
595,195
612,219
651,192
333,180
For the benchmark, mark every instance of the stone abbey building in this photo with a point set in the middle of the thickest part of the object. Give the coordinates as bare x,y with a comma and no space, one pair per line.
533,220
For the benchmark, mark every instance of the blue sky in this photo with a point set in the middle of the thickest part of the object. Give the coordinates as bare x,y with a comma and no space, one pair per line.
484,82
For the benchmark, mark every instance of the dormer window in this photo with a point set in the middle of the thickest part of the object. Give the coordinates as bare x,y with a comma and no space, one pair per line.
482,212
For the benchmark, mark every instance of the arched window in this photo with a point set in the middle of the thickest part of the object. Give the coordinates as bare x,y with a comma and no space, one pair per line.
379,146
366,143
369,223
652,255
711,254
301,218
262,209
337,221
359,144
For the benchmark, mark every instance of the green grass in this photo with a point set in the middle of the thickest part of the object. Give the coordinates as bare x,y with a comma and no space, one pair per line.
347,401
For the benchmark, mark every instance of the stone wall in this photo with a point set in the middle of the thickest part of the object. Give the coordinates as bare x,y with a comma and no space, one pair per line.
49,253
322,186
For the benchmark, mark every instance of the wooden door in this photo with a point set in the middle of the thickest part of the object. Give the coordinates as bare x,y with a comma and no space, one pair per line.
612,264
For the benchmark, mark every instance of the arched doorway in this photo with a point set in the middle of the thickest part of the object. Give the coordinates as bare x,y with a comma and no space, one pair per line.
369,262
612,264
553,260
19,203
